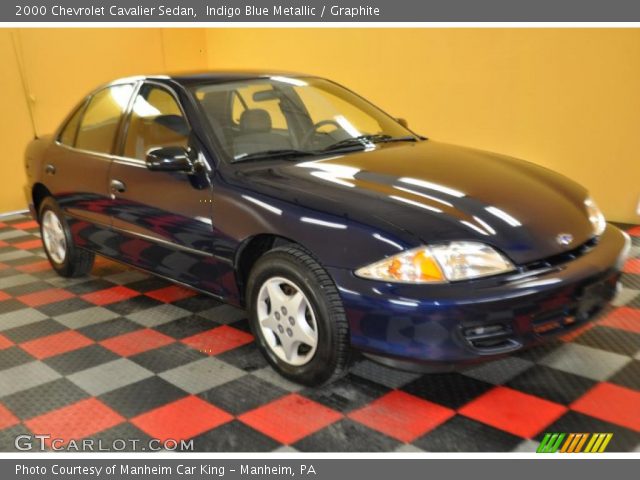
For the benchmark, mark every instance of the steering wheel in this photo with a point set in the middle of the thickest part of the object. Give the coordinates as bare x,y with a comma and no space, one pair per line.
307,136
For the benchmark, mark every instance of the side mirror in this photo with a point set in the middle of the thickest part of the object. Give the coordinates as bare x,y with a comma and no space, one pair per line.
403,122
168,159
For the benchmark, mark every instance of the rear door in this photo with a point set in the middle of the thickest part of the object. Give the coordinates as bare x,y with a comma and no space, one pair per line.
77,166
162,219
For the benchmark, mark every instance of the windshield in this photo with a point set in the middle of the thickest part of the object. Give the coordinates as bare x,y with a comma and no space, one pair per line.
280,116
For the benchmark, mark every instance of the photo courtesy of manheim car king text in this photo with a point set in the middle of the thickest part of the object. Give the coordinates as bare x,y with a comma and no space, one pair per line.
309,239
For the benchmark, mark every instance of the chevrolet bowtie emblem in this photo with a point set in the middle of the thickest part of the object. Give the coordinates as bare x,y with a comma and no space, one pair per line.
564,239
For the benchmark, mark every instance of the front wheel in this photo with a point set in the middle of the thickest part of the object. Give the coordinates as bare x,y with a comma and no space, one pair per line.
65,258
297,317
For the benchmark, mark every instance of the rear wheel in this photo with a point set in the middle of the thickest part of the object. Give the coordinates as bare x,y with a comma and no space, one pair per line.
64,256
297,317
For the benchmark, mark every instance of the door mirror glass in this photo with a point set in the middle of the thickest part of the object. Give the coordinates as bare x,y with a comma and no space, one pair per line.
168,159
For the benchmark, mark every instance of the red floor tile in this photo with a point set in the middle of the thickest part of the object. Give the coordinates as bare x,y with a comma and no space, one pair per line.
634,232
76,421
632,266
290,418
4,266
402,416
2,224
29,244
611,403
3,243
55,344
572,335
512,411
5,342
136,342
624,318
4,296
182,419
7,419
218,340
45,296
110,295
170,294
25,225
34,267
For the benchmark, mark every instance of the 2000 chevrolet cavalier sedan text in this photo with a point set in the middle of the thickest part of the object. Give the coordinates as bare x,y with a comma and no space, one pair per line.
335,225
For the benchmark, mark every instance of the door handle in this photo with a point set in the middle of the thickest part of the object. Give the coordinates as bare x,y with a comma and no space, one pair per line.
50,169
117,186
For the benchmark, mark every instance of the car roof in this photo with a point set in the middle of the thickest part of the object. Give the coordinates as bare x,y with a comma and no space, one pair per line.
219,76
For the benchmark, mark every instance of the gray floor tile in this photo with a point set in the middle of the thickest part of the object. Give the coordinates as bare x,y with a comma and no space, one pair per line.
389,377
109,376
25,376
625,296
18,318
269,374
17,280
586,361
15,255
201,375
154,316
500,371
224,314
85,317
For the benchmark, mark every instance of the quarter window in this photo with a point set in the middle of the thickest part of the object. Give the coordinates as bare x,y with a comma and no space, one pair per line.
156,121
101,119
68,134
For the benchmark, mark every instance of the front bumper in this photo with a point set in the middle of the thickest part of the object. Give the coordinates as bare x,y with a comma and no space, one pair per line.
426,327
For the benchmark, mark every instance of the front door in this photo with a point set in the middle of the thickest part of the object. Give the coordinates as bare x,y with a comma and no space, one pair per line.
162,219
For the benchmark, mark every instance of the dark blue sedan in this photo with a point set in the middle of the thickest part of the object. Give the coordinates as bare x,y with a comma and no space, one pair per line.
334,224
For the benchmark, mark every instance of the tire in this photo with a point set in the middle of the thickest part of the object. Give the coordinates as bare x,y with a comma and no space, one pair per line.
64,256
290,270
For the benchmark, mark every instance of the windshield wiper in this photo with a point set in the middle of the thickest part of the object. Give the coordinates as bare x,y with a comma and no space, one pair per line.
362,140
266,154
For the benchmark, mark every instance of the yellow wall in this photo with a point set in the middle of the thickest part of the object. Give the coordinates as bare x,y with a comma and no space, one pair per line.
568,99
15,127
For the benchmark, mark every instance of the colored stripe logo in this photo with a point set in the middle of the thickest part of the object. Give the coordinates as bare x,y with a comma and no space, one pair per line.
574,442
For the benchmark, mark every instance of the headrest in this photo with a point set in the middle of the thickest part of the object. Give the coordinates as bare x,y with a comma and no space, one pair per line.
255,120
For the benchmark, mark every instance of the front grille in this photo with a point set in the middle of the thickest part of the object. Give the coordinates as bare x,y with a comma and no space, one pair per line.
561,258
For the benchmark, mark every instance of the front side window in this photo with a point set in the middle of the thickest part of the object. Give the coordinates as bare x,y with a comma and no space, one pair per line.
156,121
292,115
101,119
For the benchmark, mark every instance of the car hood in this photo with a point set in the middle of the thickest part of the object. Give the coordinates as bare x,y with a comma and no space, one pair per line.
439,192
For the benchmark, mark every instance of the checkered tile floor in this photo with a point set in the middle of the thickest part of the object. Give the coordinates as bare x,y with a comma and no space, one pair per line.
121,354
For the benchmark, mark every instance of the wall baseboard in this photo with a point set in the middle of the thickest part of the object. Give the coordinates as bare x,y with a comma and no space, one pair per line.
15,212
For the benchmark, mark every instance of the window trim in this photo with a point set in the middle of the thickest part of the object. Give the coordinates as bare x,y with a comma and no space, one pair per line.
124,130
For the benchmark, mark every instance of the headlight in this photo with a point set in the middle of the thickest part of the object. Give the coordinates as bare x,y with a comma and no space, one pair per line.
439,263
596,217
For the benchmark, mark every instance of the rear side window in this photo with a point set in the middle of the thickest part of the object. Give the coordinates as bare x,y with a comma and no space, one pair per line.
101,119
68,134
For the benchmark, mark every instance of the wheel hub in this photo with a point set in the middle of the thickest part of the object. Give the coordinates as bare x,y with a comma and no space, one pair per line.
287,321
53,237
